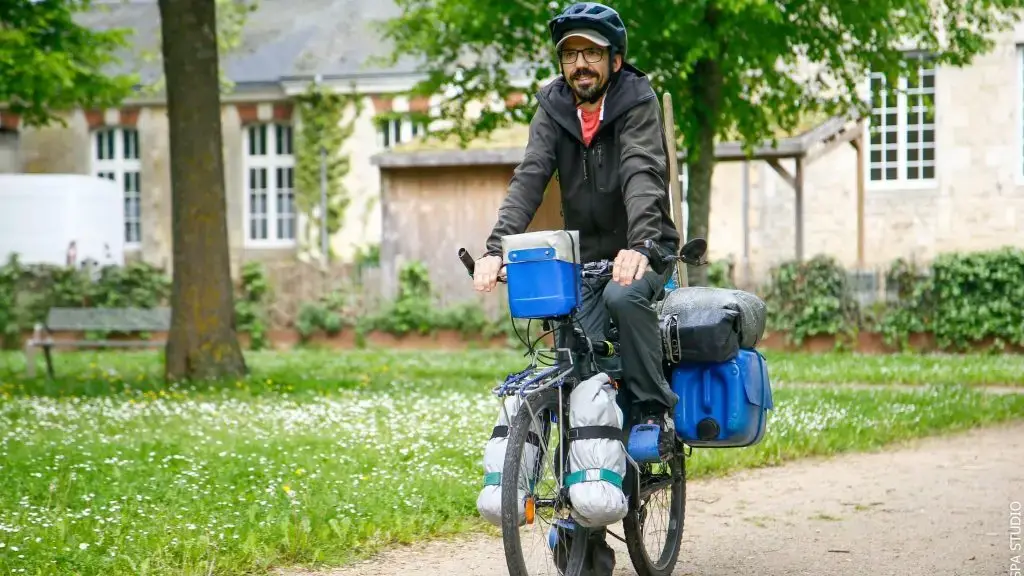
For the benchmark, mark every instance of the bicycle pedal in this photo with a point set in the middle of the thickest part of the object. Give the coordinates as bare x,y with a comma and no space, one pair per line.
644,443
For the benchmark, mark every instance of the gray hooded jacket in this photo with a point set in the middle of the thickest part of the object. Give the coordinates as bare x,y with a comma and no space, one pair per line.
613,191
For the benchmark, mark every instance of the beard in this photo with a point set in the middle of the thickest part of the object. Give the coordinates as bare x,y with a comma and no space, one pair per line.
589,91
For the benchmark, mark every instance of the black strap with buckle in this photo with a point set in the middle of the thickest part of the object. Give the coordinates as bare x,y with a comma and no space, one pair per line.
502,432
594,433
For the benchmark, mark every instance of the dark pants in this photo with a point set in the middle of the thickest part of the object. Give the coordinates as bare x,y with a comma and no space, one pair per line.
631,308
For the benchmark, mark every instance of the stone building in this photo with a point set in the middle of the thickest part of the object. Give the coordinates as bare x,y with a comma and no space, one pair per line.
942,167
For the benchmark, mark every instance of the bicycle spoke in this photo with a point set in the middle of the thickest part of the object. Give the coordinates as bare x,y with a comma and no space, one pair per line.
656,512
654,527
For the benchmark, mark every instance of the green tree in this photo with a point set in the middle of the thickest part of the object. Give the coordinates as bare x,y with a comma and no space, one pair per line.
49,63
202,343
744,69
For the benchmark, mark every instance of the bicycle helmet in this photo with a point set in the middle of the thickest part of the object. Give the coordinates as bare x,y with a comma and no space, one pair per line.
594,16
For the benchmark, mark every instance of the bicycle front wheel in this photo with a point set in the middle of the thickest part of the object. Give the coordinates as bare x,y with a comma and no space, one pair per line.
654,524
536,531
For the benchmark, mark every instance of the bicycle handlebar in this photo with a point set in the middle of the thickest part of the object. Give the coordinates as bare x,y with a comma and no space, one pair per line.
692,253
470,264
467,260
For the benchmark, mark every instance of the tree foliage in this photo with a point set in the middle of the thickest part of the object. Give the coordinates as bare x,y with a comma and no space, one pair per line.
736,69
48,62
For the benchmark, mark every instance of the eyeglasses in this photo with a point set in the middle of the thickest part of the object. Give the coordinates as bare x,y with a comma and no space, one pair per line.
591,55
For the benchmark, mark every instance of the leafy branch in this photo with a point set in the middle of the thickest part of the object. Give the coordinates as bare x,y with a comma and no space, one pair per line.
323,126
49,63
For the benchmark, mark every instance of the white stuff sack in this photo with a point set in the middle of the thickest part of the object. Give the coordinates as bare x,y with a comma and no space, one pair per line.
488,503
597,466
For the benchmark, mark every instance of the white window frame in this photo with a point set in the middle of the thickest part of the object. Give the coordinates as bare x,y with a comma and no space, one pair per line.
396,131
126,171
271,162
902,182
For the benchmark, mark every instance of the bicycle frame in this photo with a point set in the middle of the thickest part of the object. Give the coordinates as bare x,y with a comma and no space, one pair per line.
574,363
536,378
575,360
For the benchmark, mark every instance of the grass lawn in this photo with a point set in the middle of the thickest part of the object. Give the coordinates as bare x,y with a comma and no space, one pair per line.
102,373
321,457
839,368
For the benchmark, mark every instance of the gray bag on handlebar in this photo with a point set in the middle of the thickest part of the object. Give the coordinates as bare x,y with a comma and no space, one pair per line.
707,324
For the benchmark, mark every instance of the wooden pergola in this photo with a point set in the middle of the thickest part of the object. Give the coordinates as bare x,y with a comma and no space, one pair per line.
804,149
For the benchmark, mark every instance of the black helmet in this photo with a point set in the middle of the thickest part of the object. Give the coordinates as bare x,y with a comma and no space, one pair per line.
595,16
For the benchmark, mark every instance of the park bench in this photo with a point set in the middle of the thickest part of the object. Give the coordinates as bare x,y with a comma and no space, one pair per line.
79,320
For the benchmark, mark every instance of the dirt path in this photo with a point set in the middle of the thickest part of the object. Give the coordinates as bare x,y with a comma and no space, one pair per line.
940,505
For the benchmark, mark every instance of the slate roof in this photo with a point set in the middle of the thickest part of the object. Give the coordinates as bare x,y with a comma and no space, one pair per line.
281,39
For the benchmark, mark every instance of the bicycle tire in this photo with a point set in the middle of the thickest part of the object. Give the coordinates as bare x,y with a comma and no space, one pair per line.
517,436
633,531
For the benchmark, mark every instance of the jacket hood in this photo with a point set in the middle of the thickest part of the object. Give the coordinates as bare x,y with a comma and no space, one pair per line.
632,87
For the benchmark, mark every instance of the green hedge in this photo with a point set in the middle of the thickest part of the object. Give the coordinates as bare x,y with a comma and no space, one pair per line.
412,312
967,299
960,299
28,292
811,298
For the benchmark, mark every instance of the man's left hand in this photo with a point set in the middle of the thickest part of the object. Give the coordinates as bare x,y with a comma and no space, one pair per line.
629,265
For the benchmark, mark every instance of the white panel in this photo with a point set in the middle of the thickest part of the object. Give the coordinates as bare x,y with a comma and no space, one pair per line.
41,214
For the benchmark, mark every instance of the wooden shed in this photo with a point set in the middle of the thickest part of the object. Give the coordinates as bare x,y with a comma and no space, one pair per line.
437,197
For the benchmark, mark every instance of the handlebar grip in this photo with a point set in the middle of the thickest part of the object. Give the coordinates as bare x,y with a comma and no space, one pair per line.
604,348
467,260
658,260
470,264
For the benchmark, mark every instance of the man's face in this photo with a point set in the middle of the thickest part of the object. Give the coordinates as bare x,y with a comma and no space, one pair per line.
589,73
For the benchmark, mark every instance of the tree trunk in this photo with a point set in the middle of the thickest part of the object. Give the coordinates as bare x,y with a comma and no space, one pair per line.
706,84
202,343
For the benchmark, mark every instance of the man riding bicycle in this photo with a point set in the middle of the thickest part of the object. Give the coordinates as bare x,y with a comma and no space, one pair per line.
599,126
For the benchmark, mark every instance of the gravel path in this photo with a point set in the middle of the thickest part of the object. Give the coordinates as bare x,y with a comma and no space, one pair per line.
940,505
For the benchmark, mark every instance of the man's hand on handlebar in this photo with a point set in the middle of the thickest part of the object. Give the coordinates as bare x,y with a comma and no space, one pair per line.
486,272
629,265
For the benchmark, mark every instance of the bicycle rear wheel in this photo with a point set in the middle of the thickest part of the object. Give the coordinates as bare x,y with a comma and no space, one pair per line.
538,543
653,526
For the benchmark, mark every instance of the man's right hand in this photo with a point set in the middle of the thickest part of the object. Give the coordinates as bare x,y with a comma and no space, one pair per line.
485,273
